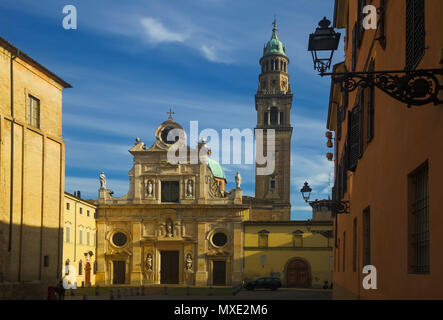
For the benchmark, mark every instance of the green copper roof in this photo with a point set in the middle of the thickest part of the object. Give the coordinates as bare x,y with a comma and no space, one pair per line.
216,169
274,46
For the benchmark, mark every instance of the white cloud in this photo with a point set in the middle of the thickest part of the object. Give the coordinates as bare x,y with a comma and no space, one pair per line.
209,53
157,32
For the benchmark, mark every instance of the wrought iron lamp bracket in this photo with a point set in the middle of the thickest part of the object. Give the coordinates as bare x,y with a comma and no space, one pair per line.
414,88
335,206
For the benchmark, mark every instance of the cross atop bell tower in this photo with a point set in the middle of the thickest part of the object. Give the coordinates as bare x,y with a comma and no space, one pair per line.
273,103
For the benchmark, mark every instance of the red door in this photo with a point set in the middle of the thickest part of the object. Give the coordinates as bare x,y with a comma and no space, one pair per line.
297,274
87,274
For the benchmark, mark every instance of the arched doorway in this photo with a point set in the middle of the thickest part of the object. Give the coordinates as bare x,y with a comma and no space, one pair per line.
298,274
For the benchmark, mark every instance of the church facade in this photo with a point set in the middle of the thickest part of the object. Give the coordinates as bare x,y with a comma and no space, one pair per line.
179,225
176,225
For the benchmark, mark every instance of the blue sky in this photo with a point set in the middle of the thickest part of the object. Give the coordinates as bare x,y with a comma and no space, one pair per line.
129,62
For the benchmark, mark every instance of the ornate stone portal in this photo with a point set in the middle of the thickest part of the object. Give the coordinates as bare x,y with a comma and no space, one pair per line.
175,221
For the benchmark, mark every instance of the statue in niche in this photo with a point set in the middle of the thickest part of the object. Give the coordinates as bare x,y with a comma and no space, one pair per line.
169,229
238,180
190,188
188,262
150,188
149,262
102,180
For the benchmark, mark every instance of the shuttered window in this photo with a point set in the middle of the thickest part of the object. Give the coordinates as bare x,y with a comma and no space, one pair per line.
345,164
361,30
382,25
354,137
339,122
370,107
354,46
415,33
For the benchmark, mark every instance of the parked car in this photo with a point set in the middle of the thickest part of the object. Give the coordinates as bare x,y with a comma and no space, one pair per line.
263,283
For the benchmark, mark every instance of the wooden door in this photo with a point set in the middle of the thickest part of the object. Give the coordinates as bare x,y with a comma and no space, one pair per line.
169,271
297,274
219,273
119,272
87,274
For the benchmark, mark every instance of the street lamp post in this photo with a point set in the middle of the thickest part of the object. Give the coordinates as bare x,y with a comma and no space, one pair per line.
412,87
335,206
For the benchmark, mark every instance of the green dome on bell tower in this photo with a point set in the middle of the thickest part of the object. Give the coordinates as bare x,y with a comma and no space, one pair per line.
274,46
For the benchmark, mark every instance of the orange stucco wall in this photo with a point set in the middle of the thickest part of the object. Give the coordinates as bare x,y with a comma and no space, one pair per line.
403,140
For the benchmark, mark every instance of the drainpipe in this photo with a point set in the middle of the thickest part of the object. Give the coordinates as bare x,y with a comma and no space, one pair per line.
11,192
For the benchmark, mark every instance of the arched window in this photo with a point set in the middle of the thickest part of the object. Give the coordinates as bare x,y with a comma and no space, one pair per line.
274,120
80,267
267,66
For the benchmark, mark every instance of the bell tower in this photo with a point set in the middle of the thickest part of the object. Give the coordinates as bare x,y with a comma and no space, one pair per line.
273,102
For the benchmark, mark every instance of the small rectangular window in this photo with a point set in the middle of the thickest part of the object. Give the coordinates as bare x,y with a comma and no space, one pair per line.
68,206
87,213
418,221
170,191
297,241
81,210
34,112
272,184
46,261
262,240
415,33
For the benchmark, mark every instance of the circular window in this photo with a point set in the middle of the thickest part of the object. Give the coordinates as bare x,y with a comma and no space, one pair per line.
219,239
119,239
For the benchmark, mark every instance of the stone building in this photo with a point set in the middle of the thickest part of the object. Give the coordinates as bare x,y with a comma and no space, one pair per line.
176,225
79,241
32,166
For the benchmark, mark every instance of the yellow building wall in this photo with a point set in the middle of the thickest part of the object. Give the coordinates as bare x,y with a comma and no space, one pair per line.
74,250
316,250
38,180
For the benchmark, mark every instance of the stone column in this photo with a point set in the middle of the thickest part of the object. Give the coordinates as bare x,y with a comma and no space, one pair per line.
237,260
138,183
100,276
136,271
201,276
